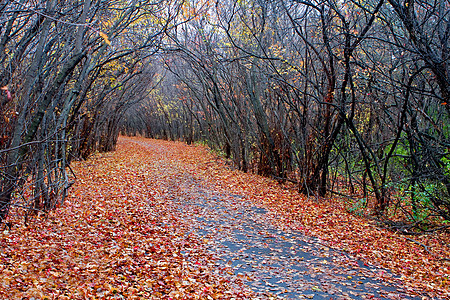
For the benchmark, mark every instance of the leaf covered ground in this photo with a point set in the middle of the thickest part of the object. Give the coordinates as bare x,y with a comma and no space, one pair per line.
119,234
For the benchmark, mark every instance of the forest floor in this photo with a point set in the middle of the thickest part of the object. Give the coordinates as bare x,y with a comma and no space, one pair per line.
164,220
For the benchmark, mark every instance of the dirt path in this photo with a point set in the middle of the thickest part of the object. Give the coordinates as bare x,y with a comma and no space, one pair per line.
271,261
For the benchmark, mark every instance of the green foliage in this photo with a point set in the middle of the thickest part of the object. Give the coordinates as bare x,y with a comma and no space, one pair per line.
400,150
419,197
358,207
446,167
203,143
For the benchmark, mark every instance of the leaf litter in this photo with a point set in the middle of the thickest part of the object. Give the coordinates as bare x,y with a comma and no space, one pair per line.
164,220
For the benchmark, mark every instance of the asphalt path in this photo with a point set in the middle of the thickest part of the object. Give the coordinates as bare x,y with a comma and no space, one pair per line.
274,262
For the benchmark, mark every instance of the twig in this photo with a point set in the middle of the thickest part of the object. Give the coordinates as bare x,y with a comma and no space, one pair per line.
53,18
420,244
426,249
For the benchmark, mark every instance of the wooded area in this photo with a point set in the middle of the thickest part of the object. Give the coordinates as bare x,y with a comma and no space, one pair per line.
347,98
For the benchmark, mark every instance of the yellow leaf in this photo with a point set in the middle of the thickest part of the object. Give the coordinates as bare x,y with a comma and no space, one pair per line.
105,38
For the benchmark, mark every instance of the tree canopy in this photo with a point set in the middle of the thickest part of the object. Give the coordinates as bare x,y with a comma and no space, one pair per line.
345,98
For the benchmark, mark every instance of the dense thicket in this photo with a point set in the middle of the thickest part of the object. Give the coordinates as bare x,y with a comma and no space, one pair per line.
347,97
340,97
68,71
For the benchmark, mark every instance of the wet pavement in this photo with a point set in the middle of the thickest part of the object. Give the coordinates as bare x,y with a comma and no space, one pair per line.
281,263
275,263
